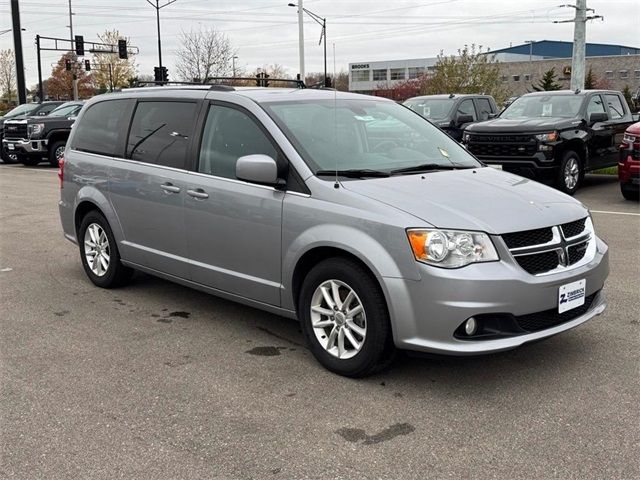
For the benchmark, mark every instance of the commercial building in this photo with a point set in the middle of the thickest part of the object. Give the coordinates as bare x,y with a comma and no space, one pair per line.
520,65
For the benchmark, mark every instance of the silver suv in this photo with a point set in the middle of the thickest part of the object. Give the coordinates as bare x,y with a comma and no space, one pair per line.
352,213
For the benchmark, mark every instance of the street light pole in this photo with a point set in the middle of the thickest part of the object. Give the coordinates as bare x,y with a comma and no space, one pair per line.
233,62
73,55
17,45
157,6
323,36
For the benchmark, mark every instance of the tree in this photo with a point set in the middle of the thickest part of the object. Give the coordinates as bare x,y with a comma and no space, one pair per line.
7,74
404,90
548,82
590,80
203,54
471,71
628,95
122,69
60,84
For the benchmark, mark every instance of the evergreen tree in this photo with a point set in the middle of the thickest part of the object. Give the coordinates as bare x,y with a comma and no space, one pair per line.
590,80
548,82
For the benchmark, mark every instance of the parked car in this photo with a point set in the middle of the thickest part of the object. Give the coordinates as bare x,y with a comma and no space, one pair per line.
34,139
23,111
554,137
452,113
300,203
629,164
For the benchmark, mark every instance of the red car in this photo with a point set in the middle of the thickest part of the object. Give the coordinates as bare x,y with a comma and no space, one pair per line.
629,164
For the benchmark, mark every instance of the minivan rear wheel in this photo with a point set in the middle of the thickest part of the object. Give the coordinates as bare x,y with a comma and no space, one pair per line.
99,252
345,318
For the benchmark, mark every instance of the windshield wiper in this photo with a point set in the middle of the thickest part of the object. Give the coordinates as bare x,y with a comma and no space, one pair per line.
353,173
425,167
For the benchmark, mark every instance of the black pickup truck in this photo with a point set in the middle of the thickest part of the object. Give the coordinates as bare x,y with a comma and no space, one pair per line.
34,139
23,111
453,112
554,137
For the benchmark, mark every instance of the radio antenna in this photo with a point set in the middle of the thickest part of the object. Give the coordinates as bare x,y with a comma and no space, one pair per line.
335,112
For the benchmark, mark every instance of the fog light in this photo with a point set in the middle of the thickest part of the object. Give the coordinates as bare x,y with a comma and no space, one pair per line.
470,326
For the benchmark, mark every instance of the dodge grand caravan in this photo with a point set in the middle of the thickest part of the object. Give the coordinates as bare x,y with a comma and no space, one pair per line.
352,213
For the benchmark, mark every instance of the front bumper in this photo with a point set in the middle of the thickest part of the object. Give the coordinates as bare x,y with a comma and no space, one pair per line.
29,147
426,313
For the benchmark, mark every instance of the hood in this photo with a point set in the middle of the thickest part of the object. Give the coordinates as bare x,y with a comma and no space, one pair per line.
481,199
518,125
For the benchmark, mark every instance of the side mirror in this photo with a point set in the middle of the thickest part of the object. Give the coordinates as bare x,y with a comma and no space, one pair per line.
596,117
462,119
258,168
492,115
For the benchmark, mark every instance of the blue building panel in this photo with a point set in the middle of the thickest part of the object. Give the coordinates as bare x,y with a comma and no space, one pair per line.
558,49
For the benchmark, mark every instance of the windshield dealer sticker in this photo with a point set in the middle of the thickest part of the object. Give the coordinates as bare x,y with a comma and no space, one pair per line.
443,152
571,295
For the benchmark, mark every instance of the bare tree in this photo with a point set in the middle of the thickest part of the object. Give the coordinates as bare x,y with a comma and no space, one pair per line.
203,54
108,69
7,74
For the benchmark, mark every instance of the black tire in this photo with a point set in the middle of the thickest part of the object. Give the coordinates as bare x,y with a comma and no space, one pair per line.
53,159
571,170
28,160
632,195
377,348
116,273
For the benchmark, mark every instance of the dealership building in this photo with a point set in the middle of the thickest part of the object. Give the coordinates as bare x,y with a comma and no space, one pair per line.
520,66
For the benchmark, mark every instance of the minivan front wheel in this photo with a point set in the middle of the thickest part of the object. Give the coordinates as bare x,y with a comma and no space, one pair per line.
99,252
345,319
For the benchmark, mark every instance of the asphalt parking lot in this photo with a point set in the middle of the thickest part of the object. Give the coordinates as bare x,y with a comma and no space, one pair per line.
158,381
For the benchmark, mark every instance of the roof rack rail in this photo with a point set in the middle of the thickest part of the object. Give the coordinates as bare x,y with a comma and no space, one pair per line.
222,82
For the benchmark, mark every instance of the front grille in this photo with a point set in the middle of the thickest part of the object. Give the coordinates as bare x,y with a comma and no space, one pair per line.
573,228
502,149
550,318
15,131
539,262
501,138
576,252
528,238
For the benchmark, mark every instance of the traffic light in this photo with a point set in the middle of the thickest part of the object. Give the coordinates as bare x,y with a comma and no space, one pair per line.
165,74
261,79
80,45
87,65
122,49
157,76
67,65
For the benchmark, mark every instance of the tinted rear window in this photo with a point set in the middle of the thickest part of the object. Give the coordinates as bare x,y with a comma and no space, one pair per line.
98,129
160,133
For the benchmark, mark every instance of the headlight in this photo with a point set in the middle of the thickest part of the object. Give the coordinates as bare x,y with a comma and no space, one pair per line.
547,137
451,248
36,129
466,137
629,138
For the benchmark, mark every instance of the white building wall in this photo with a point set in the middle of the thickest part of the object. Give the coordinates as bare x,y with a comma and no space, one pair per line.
396,67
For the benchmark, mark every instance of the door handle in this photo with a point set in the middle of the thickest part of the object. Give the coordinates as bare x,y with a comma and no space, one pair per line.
198,193
170,188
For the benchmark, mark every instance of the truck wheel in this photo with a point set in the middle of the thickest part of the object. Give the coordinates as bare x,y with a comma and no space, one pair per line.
99,252
56,151
28,160
570,173
345,319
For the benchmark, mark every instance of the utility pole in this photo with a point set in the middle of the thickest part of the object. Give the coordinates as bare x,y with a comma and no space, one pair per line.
17,45
73,54
157,6
301,38
579,41
233,63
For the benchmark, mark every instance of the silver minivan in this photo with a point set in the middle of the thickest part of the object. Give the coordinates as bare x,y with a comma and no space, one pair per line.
351,213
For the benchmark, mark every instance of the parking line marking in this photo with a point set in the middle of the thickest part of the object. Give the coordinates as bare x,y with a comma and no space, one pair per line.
616,213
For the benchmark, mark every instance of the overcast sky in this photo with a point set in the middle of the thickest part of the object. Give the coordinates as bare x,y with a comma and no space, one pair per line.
265,31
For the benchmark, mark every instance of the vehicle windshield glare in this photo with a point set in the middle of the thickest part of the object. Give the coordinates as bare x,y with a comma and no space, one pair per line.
350,134
65,111
536,106
23,109
434,108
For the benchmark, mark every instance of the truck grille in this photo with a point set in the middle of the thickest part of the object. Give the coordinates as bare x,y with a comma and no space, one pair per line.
15,131
502,145
545,249
534,322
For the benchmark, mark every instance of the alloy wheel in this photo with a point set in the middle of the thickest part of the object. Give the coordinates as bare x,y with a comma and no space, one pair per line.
571,173
338,319
96,249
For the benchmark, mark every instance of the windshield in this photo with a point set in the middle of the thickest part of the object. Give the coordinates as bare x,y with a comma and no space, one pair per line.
365,134
23,109
434,108
563,106
65,111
